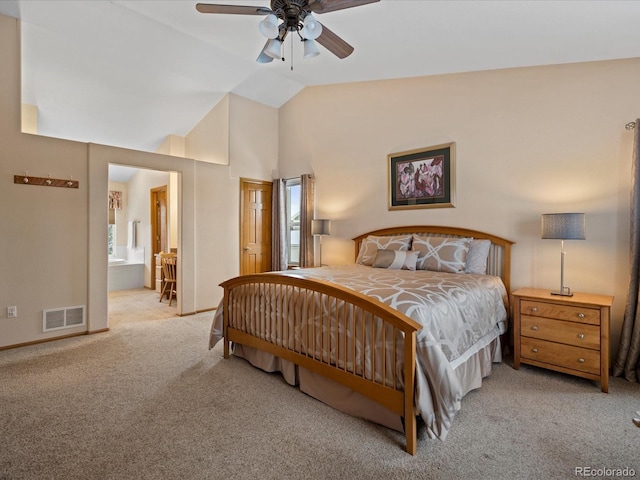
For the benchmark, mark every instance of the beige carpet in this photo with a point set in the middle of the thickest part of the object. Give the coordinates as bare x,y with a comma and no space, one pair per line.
148,400
139,305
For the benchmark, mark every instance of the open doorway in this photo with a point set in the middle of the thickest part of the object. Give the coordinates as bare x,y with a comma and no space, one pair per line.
143,224
159,217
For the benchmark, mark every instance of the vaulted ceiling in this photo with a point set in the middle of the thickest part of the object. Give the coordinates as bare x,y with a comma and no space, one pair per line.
128,73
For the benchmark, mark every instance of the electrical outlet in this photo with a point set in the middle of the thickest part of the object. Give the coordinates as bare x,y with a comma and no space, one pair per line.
12,312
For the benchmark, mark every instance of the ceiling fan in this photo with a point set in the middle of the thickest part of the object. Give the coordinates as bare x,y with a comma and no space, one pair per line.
286,16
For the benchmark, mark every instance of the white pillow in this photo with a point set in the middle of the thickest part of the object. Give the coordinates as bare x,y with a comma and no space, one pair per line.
477,257
370,246
441,254
396,260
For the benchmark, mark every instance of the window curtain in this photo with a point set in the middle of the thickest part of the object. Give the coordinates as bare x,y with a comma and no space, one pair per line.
307,207
628,362
279,226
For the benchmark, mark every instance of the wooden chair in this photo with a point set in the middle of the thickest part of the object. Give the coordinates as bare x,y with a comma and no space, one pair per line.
169,263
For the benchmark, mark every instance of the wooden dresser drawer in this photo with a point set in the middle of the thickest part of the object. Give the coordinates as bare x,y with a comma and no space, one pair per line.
565,333
575,358
561,312
571,333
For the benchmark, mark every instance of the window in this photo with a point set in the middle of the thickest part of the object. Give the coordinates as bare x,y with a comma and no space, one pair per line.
111,240
292,214
111,233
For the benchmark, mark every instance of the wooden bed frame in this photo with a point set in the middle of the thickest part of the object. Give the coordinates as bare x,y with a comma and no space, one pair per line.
249,320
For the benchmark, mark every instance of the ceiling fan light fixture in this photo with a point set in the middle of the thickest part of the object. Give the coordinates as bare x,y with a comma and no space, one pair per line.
310,49
273,48
263,57
292,16
269,26
311,28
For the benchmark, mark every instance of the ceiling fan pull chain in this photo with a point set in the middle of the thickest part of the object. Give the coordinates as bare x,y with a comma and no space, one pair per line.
291,53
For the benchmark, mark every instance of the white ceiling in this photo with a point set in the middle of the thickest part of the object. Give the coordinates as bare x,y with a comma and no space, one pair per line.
120,173
128,73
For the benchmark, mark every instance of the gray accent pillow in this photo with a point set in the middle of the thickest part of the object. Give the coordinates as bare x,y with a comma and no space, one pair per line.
441,254
370,246
396,260
477,257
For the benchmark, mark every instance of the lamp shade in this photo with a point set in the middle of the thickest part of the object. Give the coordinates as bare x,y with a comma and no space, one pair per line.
311,28
269,26
320,227
273,48
563,226
263,57
310,49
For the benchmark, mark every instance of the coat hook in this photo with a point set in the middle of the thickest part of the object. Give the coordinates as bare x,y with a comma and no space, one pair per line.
48,180
26,177
70,182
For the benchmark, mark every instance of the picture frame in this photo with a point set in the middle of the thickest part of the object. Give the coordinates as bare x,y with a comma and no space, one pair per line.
422,178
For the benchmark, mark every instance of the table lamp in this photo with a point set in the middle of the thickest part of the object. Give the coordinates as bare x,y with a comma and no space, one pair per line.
319,228
563,226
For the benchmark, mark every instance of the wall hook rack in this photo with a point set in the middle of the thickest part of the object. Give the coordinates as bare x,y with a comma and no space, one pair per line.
46,181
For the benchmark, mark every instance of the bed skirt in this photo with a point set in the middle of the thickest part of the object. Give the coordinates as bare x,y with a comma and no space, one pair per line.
469,374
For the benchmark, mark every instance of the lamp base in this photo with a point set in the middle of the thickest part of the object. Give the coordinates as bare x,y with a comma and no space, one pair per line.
565,292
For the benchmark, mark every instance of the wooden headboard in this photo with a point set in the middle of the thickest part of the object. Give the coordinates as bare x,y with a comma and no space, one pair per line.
498,263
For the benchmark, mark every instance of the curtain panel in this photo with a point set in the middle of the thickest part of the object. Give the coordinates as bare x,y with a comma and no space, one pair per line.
279,257
627,363
307,208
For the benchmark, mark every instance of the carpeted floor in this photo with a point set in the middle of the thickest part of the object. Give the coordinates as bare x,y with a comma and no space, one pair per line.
148,400
139,305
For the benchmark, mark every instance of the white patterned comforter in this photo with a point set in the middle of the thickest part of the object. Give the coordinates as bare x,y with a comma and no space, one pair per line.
459,313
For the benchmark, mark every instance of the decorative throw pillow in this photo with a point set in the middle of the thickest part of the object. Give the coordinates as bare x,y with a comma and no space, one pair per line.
370,246
477,257
395,259
441,254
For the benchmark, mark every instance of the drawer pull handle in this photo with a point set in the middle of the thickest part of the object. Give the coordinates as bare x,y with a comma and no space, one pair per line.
534,327
581,360
581,315
581,335
534,309
534,350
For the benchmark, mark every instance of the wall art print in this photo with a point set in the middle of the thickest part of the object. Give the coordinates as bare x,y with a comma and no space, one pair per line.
422,178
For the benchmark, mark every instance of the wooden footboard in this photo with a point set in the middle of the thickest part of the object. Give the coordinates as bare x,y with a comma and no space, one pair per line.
328,329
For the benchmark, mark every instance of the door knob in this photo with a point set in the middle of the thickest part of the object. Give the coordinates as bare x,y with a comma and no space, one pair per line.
246,249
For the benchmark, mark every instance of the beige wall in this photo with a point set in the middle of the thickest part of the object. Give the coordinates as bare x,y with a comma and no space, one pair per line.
54,240
528,141
29,118
209,139
43,239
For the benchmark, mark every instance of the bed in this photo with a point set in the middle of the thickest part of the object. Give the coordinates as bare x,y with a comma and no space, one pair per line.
400,335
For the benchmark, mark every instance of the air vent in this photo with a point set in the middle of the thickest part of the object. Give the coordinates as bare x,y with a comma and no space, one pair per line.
58,318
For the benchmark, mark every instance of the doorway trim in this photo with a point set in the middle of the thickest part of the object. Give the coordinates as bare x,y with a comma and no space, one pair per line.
158,228
99,158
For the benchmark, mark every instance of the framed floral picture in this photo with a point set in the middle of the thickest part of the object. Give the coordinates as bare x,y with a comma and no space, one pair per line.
423,178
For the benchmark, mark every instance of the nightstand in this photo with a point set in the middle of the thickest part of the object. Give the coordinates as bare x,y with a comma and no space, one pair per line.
565,334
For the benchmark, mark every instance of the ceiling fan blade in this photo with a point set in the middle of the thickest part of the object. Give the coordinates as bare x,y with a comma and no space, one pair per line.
232,9
324,6
334,43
